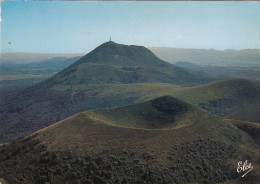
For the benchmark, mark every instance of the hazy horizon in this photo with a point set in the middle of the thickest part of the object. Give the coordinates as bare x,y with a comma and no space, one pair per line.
162,47
79,27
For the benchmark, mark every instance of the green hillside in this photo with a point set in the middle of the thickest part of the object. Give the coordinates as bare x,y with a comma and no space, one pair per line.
102,146
231,98
113,63
163,113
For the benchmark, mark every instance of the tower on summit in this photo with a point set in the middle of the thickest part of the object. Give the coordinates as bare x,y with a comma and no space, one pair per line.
110,39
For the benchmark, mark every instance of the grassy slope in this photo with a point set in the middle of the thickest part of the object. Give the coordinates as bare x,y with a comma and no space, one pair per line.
149,115
197,124
219,89
89,73
231,98
88,132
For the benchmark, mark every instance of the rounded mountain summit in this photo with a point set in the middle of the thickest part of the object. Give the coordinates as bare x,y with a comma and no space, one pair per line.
112,63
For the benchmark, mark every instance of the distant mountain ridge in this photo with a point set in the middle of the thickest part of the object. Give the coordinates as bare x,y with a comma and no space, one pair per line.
26,58
210,57
222,72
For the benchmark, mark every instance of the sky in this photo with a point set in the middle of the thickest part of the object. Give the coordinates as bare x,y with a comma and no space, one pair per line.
79,27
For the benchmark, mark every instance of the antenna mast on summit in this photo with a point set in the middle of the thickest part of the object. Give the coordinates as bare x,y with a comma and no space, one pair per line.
110,38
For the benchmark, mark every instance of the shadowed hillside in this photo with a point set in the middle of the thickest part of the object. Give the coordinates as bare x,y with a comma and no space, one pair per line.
92,147
252,129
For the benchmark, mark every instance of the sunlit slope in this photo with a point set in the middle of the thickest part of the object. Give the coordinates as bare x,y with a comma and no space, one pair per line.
162,113
163,119
231,98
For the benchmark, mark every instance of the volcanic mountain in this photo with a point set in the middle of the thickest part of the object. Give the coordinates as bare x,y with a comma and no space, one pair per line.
108,69
113,63
164,140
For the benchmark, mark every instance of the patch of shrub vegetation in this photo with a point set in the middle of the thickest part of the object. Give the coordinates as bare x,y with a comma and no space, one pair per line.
203,161
253,131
